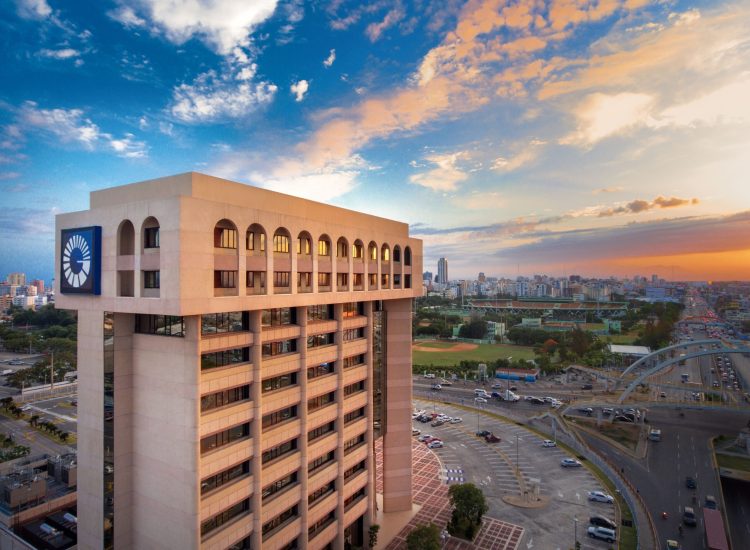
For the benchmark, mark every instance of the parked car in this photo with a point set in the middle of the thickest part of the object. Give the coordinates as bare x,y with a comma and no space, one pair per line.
548,443
690,483
599,496
601,521
588,411
570,463
437,423
424,437
435,444
455,420
436,387
602,533
491,438
688,517
673,545
536,401
415,431
482,433
496,386
606,411
587,387
480,400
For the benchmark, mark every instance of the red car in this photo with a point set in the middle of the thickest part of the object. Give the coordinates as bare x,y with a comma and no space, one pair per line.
491,438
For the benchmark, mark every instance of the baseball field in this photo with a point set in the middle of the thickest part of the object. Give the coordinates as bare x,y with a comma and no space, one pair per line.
446,354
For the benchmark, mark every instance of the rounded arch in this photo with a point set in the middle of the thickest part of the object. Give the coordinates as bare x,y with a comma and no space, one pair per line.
304,243
407,255
282,241
358,250
255,239
324,245
396,253
225,234
150,233
126,238
385,253
372,251
342,248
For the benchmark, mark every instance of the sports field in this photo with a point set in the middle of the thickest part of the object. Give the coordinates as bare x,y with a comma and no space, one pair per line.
446,354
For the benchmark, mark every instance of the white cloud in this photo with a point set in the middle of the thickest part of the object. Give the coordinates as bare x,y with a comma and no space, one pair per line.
321,186
65,53
221,24
601,116
33,9
299,89
528,153
375,30
728,104
328,61
446,176
214,97
128,147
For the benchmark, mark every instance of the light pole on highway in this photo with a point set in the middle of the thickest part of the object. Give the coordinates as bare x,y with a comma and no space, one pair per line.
518,469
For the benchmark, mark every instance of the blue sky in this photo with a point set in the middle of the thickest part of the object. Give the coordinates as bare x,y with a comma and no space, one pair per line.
552,136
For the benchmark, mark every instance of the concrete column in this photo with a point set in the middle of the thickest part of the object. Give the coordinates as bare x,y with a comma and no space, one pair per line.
397,494
302,379
371,463
338,313
256,426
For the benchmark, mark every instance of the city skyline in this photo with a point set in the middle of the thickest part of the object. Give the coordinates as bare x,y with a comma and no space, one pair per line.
592,139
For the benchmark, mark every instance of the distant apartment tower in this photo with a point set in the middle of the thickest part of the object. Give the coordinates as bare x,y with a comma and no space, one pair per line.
442,276
17,279
481,277
239,353
39,284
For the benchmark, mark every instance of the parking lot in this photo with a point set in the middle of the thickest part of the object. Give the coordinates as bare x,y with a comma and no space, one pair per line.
519,462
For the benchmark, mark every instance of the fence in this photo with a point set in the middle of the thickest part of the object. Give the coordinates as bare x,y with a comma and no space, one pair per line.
36,393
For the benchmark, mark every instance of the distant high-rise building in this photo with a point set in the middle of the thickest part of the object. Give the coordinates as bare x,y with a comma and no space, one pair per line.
427,276
654,278
39,284
481,277
442,276
17,279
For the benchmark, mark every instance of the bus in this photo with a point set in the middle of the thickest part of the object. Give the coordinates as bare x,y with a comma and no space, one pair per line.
716,538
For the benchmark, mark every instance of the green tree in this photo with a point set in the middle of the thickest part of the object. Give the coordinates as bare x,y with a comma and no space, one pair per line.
372,534
469,505
424,537
476,328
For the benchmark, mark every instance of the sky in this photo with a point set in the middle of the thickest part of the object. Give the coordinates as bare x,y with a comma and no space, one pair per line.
547,137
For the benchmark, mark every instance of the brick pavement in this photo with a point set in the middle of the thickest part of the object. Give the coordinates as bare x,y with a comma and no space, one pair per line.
431,493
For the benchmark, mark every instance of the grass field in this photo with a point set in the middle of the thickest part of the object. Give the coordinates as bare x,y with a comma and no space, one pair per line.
483,352
733,462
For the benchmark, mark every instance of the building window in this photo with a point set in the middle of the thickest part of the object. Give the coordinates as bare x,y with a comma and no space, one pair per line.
342,279
407,281
321,493
321,461
279,520
407,256
225,238
320,313
278,382
372,252
355,497
151,237
321,524
280,243
352,443
225,397
324,279
150,279
214,441
358,279
320,370
250,241
320,431
279,316
281,279
354,360
385,280
269,349
342,249
226,476
352,309
255,278
354,388
318,340
278,485
277,417
304,246
354,415
372,279
225,516
320,401
385,254
358,251
397,279
354,334
324,247
304,279
225,279
279,451
161,325
397,254
220,323
354,470
224,358
243,544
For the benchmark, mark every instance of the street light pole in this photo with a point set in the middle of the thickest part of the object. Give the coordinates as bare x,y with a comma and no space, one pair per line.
575,532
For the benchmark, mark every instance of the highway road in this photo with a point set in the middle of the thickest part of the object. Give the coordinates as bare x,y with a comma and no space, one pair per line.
683,451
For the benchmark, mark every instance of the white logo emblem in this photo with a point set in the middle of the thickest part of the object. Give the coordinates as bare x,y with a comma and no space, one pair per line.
76,261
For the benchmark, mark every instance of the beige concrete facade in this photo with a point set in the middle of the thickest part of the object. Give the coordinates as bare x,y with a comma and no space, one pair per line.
188,473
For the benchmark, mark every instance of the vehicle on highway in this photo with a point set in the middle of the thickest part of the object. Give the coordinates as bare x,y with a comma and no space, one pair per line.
690,483
429,375
602,533
716,537
586,410
446,382
15,362
624,418
481,393
663,395
435,444
570,463
480,400
436,387
599,496
536,401
528,397
606,411
587,387
496,386
710,503
673,545
654,434
602,521
491,438
548,443
688,517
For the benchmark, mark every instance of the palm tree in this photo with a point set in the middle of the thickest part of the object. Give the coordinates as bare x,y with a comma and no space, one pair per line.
34,419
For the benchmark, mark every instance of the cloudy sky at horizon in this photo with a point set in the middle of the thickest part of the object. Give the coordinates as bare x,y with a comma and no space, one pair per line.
553,136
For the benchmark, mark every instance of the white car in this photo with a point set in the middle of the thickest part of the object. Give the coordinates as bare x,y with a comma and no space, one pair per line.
570,463
480,400
436,444
455,420
548,443
424,437
599,496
